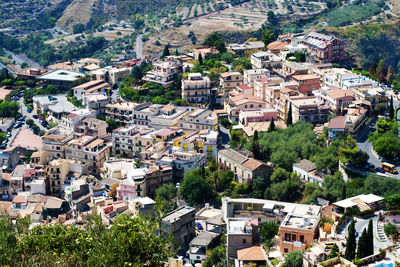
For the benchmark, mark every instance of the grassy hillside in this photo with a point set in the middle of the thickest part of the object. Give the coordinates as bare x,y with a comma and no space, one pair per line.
373,42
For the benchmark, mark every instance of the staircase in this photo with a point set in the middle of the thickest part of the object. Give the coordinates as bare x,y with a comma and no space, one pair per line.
381,233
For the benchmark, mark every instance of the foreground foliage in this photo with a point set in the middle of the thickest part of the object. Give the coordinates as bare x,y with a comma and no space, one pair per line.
129,241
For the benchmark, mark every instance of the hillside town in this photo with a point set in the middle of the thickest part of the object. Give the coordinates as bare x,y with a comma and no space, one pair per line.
250,154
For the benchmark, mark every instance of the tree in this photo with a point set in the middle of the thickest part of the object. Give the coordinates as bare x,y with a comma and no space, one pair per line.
269,230
351,244
370,238
289,119
165,52
131,240
195,189
381,71
344,192
215,39
24,65
256,145
200,60
391,108
227,57
271,126
167,191
362,248
267,37
112,124
78,28
258,185
390,75
8,242
137,73
280,175
334,252
393,202
293,259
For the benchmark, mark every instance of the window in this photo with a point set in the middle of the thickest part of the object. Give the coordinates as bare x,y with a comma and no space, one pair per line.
302,238
244,241
293,237
287,237
286,250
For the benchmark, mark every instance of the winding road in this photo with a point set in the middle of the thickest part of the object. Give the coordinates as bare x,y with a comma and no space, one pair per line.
139,46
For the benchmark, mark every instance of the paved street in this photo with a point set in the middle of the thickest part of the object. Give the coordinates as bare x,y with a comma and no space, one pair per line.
364,145
24,112
19,59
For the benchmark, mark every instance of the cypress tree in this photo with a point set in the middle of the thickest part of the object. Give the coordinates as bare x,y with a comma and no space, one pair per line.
391,108
256,147
272,126
362,249
200,59
370,235
165,52
344,192
289,119
351,244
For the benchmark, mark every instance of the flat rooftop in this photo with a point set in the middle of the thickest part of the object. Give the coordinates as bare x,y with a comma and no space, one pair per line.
177,214
61,75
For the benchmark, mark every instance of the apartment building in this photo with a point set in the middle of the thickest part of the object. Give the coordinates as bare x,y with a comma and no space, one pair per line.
59,170
180,223
199,119
350,123
196,88
164,72
299,223
55,141
96,102
143,182
96,86
204,141
69,121
308,109
325,48
252,75
229,80
129,141
166,116
306,83
91,127
241,233
265,60
261,115
242,102
338,99
182,160
244,167
112,74
262,88
89,149
130,113
289,69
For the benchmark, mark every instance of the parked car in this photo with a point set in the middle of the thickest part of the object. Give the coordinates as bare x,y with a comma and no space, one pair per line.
3,146
15,98
379,169
8,134
28,110
35,116
21,119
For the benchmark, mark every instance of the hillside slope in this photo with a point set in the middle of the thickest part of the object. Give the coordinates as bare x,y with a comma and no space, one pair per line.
96,12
